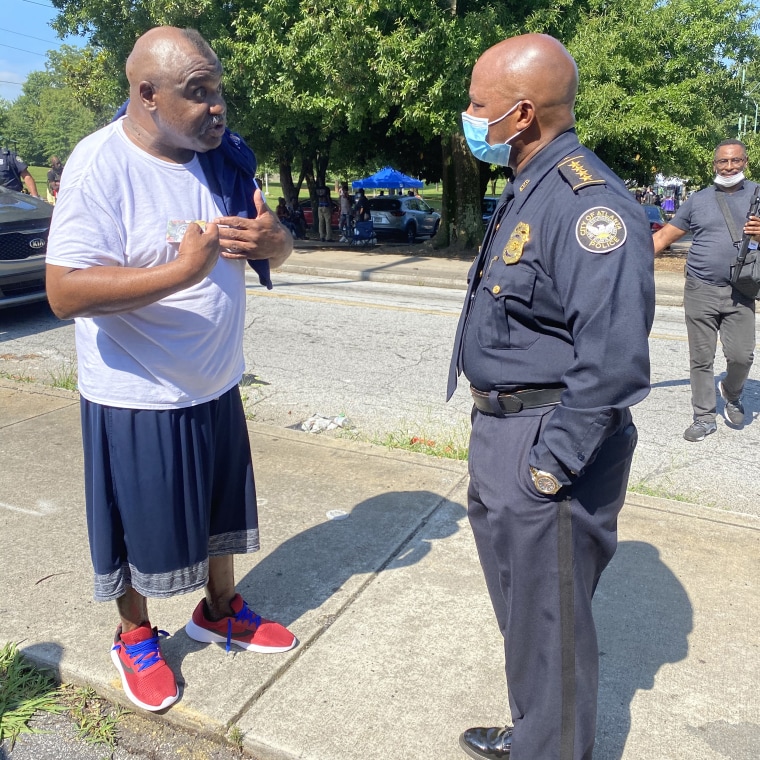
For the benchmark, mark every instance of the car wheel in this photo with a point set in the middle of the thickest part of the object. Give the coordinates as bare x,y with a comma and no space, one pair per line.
411,233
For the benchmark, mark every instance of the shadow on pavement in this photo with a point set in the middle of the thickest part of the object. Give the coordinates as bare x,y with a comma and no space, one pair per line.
644,618
305,571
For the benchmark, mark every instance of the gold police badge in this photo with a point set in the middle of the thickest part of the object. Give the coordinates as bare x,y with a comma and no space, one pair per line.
513,250
600,230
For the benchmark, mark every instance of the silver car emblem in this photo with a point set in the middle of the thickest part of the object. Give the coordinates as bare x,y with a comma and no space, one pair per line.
37,243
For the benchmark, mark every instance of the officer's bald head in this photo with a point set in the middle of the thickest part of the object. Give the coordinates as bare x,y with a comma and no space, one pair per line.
533,68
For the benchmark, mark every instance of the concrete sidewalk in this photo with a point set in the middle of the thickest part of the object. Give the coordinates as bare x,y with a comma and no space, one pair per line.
415,265
398,649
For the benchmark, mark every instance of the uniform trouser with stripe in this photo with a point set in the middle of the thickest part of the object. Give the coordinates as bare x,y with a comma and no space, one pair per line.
542,558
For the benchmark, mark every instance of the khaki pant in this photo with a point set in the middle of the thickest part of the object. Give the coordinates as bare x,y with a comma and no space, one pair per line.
325,232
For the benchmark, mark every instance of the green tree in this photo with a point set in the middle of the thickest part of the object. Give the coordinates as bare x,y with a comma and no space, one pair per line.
346,81
46,119
86,72
658,82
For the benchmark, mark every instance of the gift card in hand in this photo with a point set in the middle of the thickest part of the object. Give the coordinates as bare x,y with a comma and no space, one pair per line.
175,228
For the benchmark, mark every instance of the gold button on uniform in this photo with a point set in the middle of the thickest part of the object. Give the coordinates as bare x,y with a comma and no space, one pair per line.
496,289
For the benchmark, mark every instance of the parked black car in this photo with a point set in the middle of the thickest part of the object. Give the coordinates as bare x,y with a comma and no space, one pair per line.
24,227
488,206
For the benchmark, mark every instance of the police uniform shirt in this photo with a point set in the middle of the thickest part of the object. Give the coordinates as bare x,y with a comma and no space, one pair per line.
562,294
11,167
712,250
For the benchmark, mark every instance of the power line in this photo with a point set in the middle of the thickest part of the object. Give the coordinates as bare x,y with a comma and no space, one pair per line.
19,34
44,5
6,81
31,52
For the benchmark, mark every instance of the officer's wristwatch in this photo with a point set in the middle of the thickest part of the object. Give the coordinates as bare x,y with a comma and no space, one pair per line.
544,482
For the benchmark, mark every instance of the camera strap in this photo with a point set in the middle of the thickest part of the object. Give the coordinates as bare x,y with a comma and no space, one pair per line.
733,230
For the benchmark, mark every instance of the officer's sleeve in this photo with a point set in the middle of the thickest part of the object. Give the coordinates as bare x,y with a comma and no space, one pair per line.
601,262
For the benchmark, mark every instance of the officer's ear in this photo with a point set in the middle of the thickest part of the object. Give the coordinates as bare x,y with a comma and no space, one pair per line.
526,115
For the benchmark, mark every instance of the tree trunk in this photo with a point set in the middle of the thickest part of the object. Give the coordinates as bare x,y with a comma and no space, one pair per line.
289,191
461,216
307,172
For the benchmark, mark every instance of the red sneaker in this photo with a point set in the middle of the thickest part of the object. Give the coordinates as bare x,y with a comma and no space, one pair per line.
245,629
145,676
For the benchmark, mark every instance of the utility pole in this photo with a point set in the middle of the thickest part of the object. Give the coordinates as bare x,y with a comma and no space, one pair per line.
743,118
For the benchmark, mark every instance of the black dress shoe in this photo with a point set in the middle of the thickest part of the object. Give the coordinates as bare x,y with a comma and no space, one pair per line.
487,742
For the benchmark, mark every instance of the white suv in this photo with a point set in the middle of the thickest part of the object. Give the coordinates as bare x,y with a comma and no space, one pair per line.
404,215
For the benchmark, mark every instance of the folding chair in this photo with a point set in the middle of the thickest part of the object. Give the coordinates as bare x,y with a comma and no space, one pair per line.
364,234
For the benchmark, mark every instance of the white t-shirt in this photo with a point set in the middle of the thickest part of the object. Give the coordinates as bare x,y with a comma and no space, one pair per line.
113,208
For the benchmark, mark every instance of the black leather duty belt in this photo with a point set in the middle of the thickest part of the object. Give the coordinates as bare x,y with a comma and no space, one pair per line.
516,401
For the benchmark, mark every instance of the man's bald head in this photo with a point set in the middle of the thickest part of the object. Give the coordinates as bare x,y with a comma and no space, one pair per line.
162,54
176,106
533,67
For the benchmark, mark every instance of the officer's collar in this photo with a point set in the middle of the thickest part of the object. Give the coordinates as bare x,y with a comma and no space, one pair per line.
541,163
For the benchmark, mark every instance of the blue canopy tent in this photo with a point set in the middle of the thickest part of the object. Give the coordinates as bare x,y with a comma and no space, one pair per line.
387,179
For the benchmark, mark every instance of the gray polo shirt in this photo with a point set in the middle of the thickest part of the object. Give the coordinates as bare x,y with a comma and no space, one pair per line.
712,251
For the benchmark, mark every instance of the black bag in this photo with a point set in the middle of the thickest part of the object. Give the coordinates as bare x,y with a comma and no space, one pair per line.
746,277
745,271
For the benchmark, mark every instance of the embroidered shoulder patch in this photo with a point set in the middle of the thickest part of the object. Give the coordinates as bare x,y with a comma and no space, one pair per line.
577,174
600,230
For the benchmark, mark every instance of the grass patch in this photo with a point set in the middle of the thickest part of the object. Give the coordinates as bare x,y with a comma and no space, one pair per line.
16,378
95,719
658,492
65,376
446,443
24,690
249,381
235,735
444,448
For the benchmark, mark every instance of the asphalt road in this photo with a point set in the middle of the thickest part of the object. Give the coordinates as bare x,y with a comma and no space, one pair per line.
378,353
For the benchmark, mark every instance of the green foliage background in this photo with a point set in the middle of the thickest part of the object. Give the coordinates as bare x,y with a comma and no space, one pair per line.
350,85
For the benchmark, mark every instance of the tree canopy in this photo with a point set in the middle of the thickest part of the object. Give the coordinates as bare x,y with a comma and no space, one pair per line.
351,84
47,118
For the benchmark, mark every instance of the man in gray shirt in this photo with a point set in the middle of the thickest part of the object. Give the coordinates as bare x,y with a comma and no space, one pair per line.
711,305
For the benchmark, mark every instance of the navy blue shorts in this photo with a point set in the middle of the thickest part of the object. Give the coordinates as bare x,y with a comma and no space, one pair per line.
166,489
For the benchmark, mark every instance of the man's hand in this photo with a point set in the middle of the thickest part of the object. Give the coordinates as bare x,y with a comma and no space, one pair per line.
199,250
752,227
260,238
100,291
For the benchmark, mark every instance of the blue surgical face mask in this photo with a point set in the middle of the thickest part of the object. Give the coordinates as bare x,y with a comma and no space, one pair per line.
476,133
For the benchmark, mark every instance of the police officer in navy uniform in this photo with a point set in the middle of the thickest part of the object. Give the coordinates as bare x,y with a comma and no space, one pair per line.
13,171
553,340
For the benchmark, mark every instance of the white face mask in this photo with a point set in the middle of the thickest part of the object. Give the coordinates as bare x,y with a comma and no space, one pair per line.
734,179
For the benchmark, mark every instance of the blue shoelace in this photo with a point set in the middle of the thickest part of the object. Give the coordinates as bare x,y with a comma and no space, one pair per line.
246,615
144,653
